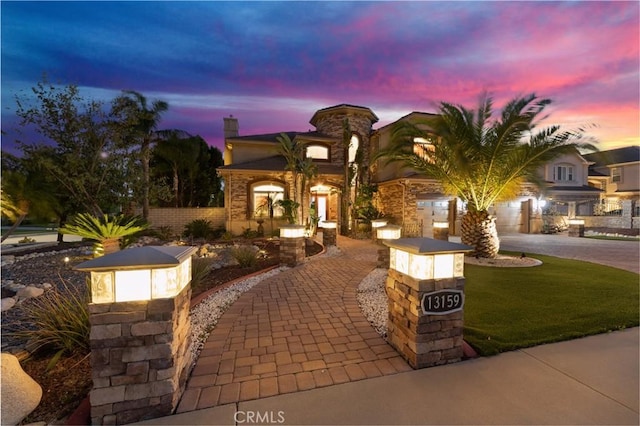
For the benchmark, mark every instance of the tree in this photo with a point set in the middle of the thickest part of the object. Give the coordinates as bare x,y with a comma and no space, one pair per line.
292,151
482,160
25,190
81,154
144,119
189,163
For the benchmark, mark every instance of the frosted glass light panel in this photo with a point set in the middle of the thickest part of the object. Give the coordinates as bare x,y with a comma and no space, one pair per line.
443,266
133,285
165,282
102,287
458,268
420,267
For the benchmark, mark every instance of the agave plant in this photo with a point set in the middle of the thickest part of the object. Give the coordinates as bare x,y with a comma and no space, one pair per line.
105,231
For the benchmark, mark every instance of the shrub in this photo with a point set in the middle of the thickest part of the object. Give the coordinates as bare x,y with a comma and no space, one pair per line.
26,240
249,233
59,321
245,255
165,233
104,230
198,228
227,236
200,268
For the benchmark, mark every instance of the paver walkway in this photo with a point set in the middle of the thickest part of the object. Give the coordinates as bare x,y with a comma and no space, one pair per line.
298,330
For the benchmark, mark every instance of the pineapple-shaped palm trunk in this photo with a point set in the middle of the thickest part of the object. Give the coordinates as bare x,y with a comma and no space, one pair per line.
479,231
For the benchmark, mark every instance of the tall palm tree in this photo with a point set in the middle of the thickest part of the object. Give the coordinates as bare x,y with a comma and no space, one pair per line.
293,153
145,119
482,160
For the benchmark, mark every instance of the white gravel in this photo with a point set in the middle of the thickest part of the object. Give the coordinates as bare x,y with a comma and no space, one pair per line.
372,299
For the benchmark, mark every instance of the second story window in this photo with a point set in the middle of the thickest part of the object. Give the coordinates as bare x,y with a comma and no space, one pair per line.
424,148
318,152
563,173
616,174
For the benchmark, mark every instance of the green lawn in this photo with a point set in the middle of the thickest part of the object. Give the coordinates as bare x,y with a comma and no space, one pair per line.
510,308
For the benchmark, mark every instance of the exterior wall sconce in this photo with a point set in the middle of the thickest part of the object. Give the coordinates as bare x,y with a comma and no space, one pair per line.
140,273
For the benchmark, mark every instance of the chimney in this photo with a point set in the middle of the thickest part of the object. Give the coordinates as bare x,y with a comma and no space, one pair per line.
231,128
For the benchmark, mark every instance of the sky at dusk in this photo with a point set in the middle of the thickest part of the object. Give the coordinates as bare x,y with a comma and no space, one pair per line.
273,64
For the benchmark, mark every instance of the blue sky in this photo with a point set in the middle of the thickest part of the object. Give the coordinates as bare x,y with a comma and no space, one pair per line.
272,64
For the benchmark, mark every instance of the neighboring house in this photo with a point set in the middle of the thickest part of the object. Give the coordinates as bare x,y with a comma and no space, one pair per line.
254,173
617,173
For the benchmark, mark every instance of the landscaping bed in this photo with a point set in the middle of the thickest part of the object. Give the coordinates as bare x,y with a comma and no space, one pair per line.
69,381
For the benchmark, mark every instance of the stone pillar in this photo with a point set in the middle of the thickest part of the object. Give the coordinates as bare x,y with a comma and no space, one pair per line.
383,256
576,228
423,340
441,233
292,250
329,237
140,358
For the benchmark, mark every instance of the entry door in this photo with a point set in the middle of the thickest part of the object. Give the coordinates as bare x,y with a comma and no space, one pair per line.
431,211
321,206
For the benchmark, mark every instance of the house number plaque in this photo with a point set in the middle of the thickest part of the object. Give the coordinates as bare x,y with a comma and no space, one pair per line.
442,302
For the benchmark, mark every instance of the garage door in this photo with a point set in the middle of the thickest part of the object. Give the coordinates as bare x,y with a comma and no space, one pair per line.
432,211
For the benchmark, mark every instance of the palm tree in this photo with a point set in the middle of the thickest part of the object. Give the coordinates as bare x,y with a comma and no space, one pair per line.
145,122
482,160
293,153
105,231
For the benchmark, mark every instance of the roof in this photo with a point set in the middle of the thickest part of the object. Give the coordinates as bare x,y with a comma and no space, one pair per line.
374,118
583,188
273,137
411,118
278,163
139,258
629,154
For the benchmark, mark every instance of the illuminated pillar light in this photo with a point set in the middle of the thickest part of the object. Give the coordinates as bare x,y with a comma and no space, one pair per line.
139,274
378,223
292,231
389,232
425,258
329,224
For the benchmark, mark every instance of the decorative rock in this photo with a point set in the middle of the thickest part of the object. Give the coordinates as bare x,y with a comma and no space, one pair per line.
20,393
7,303
29,292
47,286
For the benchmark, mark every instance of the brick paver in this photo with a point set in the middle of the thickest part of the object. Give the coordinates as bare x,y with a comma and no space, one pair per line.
298,330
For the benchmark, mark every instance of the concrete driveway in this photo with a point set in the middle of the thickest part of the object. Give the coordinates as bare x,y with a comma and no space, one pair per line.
618,254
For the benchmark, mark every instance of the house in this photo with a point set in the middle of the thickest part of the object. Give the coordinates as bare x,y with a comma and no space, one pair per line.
255,175
616,173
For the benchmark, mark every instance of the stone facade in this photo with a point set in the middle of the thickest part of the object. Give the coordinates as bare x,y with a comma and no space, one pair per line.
423,340
329,237
139,358
399,199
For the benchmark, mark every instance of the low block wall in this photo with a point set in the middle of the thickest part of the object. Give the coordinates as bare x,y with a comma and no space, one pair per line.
177,218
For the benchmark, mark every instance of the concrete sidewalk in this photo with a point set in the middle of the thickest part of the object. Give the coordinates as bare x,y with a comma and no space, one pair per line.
593,380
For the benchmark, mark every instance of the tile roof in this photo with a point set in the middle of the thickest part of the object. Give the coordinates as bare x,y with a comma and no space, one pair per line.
273,137
629,154
278,163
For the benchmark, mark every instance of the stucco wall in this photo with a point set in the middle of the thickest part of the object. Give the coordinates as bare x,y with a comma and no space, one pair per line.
177,218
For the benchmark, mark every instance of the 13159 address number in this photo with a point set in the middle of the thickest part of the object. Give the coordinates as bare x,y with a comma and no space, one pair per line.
442,302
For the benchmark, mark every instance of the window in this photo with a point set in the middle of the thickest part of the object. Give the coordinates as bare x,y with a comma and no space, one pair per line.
353,148
616,174
563,173
264,196
424,148
318,152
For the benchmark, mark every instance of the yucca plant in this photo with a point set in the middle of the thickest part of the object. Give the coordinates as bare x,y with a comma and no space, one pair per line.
58,322
200,268
105,231
245,255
